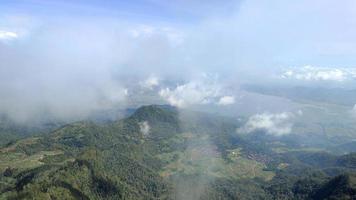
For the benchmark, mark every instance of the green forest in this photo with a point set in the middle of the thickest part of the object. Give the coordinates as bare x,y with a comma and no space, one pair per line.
185,155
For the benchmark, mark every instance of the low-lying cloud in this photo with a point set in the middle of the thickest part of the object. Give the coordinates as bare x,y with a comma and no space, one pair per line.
277,124
67,70
68,63
144,128
203,90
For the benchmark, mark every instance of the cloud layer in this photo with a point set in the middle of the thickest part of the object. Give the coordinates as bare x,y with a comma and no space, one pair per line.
72,58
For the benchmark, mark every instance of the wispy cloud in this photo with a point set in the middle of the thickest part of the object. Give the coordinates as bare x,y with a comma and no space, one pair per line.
226,100
144,31
8,35
311,73
151,82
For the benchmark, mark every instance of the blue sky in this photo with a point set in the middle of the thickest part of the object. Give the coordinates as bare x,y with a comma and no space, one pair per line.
181,11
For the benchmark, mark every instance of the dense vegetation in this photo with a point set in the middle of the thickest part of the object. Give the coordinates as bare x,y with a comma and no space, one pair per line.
181,155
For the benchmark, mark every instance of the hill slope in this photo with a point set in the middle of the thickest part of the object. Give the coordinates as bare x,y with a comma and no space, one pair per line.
158,152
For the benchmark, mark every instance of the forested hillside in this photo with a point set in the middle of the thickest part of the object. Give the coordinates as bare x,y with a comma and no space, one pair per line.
161,152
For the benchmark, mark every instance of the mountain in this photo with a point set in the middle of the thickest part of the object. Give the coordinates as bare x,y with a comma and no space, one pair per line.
340,187
161,152
11,131
83,160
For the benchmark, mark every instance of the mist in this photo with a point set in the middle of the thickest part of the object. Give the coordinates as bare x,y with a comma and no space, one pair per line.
68,64
179,99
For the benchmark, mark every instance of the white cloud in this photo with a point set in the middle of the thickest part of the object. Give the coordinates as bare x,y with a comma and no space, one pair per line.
8,35
311,73
274,124
226,100
174,36
151,82
144,128
201,91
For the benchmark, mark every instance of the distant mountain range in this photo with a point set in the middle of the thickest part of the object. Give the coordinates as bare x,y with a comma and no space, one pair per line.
346,97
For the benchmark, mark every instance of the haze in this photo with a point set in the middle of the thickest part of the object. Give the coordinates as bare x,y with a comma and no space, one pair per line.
70,58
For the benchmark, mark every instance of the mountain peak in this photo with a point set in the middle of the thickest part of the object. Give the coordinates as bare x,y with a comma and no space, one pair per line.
156,113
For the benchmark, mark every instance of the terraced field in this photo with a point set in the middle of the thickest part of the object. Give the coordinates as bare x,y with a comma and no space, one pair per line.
203,157
22,161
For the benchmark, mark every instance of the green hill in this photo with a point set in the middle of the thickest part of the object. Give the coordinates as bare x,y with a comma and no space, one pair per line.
159,152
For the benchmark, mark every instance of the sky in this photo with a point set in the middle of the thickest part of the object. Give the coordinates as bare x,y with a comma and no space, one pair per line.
276,32
66,56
